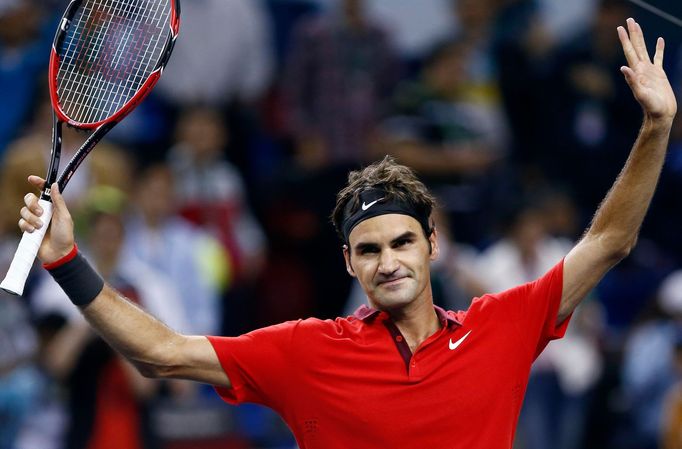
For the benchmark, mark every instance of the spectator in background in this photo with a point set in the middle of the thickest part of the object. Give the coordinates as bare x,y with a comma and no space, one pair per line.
524,46
666,215
104,211
453,133
24,47
525,250
455,282
553,413
649,364
338,80
565,20
192,259
109,165
107,399
20,382
413,27
224,54
523,49
441,126
211,193
474,20
597,118
339,75
671,432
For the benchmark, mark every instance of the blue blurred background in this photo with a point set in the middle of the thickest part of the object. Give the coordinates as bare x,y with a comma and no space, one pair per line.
209,204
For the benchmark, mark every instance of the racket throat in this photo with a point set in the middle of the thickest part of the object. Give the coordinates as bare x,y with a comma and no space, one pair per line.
55,157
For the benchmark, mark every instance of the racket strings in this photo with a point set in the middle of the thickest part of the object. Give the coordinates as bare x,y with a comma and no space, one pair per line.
109,51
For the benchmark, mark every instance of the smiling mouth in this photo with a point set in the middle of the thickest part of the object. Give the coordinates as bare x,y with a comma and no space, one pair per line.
391,282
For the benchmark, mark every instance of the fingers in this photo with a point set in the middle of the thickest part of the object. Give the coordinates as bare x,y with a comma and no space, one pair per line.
30,214
658,56
629,74
634,45
637,39
628,49
28,221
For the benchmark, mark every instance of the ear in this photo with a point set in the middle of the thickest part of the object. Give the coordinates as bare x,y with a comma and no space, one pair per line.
346,257
433,241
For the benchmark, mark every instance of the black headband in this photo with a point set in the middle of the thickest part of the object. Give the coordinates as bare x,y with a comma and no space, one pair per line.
374,202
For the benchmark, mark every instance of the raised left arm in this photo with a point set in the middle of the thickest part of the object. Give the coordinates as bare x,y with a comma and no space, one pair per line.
615,226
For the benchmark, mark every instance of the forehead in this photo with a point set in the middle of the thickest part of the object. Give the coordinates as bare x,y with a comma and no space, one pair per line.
383,228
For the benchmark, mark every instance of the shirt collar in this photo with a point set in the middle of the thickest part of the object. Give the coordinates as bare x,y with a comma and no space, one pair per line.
366,314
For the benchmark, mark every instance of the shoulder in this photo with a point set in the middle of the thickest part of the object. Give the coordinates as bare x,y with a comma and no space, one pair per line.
482,304
310,333
315,327
548,285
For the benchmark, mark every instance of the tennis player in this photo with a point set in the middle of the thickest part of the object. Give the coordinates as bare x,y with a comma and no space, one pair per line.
400,372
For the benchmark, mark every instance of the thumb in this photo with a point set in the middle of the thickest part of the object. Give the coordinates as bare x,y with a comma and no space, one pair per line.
628,73
59,239
58,200
37,181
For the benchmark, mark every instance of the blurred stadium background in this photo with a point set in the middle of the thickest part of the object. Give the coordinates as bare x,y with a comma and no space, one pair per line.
209,204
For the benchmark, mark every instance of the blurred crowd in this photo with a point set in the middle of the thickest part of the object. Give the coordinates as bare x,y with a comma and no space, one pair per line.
209,205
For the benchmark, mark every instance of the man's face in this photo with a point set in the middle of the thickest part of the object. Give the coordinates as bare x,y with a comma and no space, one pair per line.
390,257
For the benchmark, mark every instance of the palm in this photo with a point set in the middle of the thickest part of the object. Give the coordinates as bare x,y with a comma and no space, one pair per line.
645,76
58,239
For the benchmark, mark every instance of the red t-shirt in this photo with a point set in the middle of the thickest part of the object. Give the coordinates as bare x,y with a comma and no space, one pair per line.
353,382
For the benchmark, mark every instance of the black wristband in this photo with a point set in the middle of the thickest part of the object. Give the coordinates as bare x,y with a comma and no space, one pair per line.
79,280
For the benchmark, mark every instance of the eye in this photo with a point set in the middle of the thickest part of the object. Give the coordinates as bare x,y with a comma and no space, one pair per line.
369,250
402,242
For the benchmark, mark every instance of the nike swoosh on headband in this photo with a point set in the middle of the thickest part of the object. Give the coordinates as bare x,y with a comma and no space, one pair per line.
367,206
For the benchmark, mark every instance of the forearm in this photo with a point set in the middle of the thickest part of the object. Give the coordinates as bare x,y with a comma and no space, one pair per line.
615,226
155,349
618,220
145,341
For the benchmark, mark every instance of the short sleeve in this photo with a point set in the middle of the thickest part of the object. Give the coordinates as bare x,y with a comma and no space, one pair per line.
259,364
534,308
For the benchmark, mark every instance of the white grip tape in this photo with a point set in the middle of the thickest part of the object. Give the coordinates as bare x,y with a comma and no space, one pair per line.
26,254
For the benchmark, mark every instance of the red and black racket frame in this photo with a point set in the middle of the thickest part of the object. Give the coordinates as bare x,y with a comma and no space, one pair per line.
101,128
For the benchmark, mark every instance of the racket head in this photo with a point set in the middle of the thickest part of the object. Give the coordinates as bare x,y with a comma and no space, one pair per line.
106,57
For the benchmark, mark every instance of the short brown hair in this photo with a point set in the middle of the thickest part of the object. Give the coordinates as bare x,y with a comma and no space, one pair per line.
398,181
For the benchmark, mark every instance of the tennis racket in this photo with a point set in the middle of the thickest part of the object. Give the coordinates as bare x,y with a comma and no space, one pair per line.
106,57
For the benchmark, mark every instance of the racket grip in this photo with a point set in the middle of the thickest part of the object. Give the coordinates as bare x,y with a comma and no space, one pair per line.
26,253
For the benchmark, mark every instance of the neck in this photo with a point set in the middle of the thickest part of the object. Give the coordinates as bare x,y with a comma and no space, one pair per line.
417,322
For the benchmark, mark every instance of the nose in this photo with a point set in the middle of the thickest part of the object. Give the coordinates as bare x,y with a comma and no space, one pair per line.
388,263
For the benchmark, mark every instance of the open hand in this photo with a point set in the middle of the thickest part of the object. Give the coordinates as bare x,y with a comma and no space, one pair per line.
646,78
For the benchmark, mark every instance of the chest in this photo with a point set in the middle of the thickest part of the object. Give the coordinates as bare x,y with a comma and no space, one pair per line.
462,378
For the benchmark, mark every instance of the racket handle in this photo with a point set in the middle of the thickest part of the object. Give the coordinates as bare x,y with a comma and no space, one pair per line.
26,254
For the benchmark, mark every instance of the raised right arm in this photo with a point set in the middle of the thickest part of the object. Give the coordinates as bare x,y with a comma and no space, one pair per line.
154,348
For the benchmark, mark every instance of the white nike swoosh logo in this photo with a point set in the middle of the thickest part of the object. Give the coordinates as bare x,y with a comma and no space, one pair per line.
367,206
454,345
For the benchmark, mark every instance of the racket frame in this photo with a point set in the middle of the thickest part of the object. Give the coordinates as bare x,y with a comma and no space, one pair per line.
101,127
30,242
